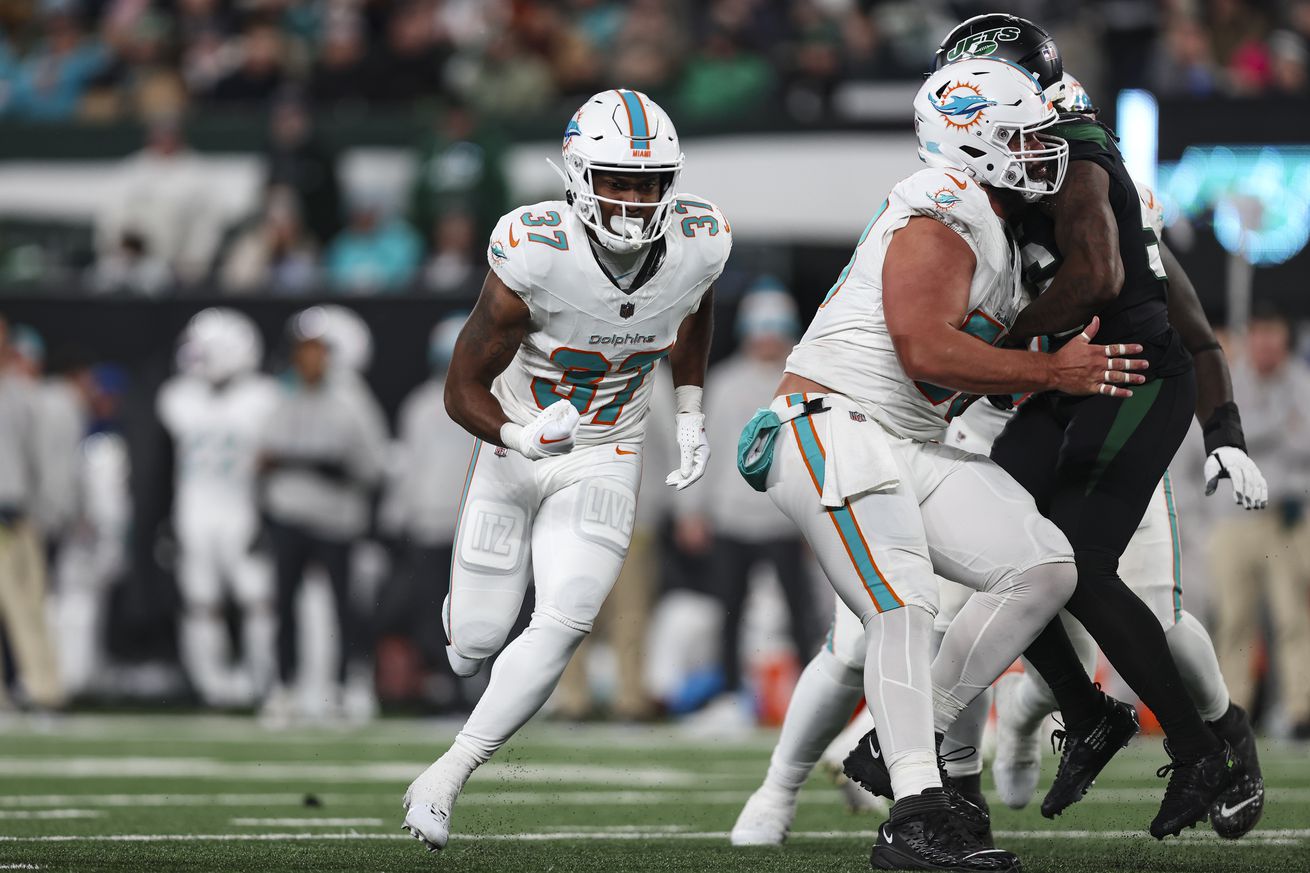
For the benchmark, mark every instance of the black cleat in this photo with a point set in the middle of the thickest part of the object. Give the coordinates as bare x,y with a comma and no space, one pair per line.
1084,754
967,792
866,766
925,832
1192,788
1239,808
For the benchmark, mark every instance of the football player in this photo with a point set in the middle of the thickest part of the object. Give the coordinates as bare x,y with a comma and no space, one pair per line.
1091,463
850,448
551,373
214,409
1149,565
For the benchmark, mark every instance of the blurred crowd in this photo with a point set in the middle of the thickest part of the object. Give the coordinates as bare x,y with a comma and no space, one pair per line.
166,228
100,59
483,71
311,537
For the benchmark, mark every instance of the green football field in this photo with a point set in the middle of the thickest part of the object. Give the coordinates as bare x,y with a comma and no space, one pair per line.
207,794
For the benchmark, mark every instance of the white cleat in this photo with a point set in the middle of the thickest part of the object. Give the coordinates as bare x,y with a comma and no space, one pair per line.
765,819
279,709
428,803
1017,767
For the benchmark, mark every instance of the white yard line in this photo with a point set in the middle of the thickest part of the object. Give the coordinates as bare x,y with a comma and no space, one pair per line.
645,797
1275,837
368,771
654,797
47,814
306,822
436,732
144,800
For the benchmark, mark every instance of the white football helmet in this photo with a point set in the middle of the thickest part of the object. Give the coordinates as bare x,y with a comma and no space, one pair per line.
349,338
219,344
1069,95
977,116
622,131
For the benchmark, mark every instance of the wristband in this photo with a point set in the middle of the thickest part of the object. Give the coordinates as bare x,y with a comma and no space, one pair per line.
511,436
687,398
1224,428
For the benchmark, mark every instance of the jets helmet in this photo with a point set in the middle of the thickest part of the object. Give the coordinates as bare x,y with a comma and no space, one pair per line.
998,35
220,343
621,131
983,116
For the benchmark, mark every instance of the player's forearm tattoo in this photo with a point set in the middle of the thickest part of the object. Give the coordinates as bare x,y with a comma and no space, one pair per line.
492,345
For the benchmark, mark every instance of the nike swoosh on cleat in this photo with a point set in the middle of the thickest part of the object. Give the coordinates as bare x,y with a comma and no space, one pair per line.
887,835
1225,810
874,750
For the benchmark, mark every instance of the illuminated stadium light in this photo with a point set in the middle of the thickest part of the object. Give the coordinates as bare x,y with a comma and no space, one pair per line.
1139,130
1258,197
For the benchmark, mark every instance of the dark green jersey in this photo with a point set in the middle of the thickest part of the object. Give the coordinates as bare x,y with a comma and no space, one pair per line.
1140,313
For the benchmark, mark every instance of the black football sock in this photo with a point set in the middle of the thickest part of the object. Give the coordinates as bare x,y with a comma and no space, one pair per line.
1131,637
1055,659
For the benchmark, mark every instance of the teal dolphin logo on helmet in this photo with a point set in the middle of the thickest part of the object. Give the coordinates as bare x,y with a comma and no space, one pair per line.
571,131
961,103
967,105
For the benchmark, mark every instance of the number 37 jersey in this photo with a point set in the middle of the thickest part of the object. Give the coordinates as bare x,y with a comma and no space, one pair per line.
591,342
848,346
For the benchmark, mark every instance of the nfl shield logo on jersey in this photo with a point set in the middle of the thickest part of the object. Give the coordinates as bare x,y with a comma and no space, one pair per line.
626,310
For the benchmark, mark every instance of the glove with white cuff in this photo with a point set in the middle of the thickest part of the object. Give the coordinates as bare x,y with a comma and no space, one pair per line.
1250,490
693,447
1226,458
548,435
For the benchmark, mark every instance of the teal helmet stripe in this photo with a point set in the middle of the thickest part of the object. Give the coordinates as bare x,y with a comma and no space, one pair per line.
1037,86
637,121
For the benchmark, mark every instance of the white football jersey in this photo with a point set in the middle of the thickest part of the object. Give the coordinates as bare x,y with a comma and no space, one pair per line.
978,428
848,347
591,342
215,435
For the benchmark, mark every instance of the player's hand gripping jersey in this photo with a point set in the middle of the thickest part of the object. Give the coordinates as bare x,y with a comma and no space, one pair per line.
591,342
848,347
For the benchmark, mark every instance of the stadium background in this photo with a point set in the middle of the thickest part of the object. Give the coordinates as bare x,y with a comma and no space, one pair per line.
379,141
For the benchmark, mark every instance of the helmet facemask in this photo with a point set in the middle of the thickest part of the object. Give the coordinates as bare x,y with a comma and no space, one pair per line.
629,229
1034,172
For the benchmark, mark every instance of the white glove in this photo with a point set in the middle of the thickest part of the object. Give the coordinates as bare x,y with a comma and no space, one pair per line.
1249,487
548,435
693,450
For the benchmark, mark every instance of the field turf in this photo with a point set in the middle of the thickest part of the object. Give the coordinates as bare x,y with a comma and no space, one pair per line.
202,794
